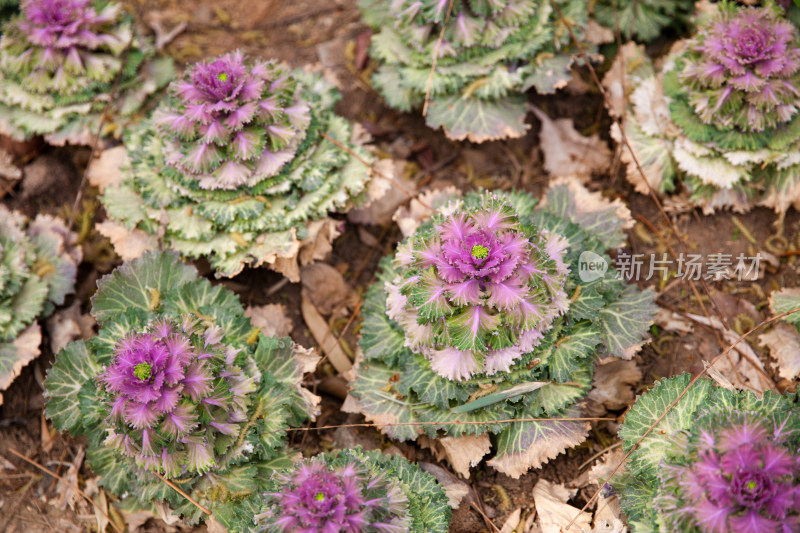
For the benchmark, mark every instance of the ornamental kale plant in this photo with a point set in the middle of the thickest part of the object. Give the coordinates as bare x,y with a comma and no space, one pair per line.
60,59
177,383
721,461
234,166
349,490
482,316
38,264
492,52
724,112
643,20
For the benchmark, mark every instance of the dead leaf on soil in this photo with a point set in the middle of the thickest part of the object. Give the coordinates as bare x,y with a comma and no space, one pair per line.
460,452
324,336
384,196
613,387
408,218
553,511
68,325
128,244
326,288
783,343
512,522
106,170
740,366
66,495
98,496
454,488
8,169
567,152
671,321
315,247
271,319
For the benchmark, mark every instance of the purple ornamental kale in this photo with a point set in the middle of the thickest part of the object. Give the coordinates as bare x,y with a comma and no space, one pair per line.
478,291
232,122
742,479
65,38
167,403
743,71
316,497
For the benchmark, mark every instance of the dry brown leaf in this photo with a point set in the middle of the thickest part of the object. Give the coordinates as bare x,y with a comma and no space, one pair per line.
326,288
567,152
512,522
106,170
271,319
315,247
409,218
68,325
741,366
460,452
454,488
384,196
671,321
613,386
783,343
66,495
553,513
128,244
98,496
324,336
8,169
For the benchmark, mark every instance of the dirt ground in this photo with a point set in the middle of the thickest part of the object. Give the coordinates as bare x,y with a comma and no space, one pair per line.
328,33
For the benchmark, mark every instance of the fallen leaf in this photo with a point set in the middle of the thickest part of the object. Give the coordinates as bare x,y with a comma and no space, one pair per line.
326,288
671,321
66,495
553,513
567,152
741,366
106,169
324,336
271,319
8,169
68,325
512,522
460,452
315,247
783,343
98,496
422,207
454,488
384,195
613,387
128,244
46,435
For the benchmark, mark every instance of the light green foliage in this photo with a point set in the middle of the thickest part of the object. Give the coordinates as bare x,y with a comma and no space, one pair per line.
643,20
491,54
65,103
247,225
38,264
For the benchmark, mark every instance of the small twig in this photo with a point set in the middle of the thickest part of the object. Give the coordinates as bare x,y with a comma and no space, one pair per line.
182,493
600,453
73,487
